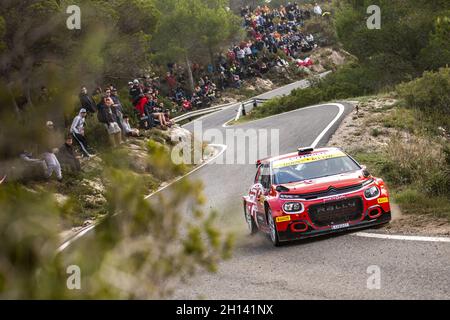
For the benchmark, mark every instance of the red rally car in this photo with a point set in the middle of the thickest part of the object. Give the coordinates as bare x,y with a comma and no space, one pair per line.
314,192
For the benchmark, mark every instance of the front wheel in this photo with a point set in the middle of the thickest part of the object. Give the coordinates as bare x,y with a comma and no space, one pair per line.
252,228
273,229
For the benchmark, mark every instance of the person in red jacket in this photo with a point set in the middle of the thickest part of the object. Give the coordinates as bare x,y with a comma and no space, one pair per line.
140,105
187,105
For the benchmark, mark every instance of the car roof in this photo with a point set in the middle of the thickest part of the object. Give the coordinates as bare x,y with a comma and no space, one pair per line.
296,154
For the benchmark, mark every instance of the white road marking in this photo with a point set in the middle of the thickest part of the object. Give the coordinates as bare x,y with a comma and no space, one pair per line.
86,230
341,111
314,144
222,146
401,237
75,238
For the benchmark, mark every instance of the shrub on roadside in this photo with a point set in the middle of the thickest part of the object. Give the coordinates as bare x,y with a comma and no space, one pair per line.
349,81
418,163
430,93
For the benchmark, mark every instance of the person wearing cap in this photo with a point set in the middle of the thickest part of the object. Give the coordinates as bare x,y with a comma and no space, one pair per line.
136,92
77,131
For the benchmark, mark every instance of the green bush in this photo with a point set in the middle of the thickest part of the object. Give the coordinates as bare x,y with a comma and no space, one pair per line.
417,163
414,201
349,81
430,93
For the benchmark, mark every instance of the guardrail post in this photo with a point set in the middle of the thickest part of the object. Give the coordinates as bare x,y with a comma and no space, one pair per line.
255,103
244,113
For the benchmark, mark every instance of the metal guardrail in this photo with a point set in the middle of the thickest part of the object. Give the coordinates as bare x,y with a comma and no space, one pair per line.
253,102
200,112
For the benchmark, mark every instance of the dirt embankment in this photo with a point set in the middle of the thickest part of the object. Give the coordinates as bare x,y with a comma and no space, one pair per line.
363,131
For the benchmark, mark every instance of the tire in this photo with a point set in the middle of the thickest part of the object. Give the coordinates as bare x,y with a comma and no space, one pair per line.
252,228
273,234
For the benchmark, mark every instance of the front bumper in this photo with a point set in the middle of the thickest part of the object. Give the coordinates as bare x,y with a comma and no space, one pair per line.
288,235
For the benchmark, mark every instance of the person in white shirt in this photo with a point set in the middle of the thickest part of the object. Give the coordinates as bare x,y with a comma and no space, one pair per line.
77,130
317,9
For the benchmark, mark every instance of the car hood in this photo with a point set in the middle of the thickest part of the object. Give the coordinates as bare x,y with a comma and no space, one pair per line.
322,184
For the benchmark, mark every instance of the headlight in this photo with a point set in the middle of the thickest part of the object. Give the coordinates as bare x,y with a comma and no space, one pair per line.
292,207
372,193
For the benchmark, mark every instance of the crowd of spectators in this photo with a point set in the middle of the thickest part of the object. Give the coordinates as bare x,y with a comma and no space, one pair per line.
274,41
57,154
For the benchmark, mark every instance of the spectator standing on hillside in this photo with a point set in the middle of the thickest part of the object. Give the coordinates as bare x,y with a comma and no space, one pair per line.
117,107
86,101
110,121
77,131
97,95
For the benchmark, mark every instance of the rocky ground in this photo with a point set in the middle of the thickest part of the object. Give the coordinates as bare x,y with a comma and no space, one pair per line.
362,131
88,188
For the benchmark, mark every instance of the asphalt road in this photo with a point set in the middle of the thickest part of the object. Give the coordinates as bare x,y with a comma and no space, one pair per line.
332,267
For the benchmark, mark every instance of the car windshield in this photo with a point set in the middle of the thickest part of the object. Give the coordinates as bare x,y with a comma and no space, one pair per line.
313,169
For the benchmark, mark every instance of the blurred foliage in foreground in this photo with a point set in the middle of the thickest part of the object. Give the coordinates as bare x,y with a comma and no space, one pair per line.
142,248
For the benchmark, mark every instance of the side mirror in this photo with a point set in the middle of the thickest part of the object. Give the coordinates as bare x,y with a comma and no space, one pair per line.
281,189
366,172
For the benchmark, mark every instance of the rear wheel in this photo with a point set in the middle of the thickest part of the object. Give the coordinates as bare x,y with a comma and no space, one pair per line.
273,229
252,228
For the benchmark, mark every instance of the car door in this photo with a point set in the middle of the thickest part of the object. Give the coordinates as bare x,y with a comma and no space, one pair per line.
264,180
253,194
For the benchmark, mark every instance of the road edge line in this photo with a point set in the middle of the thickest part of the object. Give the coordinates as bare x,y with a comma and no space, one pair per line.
400,237
84,231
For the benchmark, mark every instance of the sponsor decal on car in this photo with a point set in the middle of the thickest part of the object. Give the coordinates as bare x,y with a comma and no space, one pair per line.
283,218
307,158
383,200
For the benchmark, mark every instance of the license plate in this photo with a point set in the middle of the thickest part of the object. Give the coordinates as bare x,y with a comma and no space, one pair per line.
340,226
